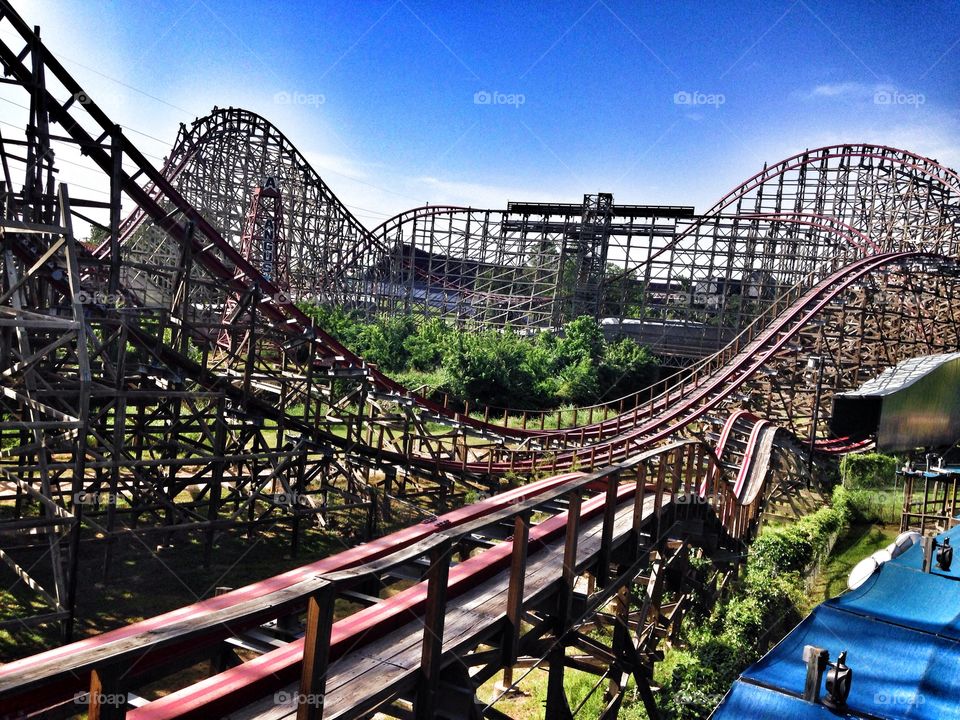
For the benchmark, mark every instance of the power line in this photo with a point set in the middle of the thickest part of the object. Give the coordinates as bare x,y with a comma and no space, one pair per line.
138,132
166,144
126,85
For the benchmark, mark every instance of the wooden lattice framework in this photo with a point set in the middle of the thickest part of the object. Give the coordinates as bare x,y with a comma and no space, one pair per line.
125,417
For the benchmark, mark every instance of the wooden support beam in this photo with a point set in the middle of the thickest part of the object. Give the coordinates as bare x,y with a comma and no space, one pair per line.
622,645
106,701
609,516
638,500
316,654
518,569
557,704
432,648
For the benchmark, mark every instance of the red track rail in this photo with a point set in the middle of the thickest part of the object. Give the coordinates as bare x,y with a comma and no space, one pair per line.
62,686
290,318
234,688
703,397
723,383
281,661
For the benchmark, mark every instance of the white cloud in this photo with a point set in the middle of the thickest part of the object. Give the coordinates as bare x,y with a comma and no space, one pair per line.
840,89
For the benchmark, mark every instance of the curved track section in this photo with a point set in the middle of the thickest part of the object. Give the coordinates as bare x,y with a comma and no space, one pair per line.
654,489
704,274
705,278
215,164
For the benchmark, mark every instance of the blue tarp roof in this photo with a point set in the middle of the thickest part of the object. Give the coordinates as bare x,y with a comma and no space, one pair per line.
901,631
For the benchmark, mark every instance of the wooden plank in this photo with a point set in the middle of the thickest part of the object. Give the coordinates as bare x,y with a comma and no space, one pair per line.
106,700
432,645
316,654
387,668
210,625
557,704
518,568
609,515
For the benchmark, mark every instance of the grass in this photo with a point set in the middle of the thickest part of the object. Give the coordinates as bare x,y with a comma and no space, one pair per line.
530,703
858,542
146,581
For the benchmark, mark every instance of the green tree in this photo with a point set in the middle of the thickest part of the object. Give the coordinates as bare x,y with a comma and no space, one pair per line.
582,338
425,348
489,367
626,368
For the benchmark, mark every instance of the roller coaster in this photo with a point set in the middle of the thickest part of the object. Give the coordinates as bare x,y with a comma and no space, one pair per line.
164,382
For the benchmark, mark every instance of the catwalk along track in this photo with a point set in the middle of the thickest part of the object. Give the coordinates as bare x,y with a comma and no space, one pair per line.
520,589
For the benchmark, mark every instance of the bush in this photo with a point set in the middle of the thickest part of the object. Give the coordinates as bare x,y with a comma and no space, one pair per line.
766,604
497,367
626,368
342,325
767,608
869,483
870,470
578,382
701,676
875,506
425,348
582,338
383,342
489,367
780,550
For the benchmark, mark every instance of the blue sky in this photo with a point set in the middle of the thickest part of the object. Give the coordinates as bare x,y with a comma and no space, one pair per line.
403,102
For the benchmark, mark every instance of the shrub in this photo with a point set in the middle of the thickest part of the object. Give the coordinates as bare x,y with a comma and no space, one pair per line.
425,347
765,604
497,367
869,483
335,321
870,470
875,506
700,678
626,368
582,338
787,549
767,607
489,367
578,382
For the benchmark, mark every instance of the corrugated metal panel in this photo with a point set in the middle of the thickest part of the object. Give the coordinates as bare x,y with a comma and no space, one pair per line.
902,375
915,404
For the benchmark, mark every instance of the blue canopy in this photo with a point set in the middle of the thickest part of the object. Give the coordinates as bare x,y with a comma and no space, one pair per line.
901,631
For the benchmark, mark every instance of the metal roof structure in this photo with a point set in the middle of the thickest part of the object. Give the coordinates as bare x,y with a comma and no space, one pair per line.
915,404
901,630
903,375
